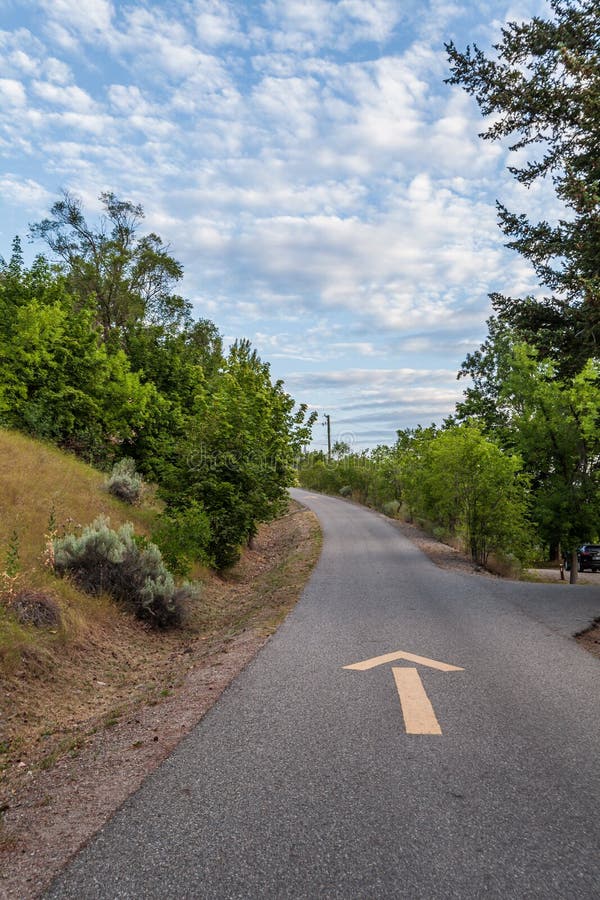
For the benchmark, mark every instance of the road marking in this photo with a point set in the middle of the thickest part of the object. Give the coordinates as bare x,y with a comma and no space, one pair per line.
419,717
410,657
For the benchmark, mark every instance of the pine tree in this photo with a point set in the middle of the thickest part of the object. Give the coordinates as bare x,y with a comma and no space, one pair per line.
542,89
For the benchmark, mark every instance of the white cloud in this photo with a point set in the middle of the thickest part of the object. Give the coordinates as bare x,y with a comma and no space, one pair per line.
288,105
323,188
69,96
24,192
406,268
88,17
61,37
23,62
95,124
374,20
12,92
307,26
58,71
368,406
217,24
371,381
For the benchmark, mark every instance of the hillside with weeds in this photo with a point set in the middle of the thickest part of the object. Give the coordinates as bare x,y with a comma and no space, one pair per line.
94,659
45,494
111,590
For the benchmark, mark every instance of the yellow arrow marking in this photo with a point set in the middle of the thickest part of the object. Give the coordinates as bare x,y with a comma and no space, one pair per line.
410,657
419,717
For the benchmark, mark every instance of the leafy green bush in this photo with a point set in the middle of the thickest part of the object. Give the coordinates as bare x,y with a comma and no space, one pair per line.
124,482
391,508
183,537
129,569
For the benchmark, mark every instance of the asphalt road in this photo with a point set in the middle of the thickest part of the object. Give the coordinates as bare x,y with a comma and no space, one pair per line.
302,781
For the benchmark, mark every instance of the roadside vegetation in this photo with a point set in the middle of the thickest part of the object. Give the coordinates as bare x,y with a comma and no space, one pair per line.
101,356
515,472
140,459
74,661
453,482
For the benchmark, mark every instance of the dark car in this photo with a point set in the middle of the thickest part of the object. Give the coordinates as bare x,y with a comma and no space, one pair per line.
588,557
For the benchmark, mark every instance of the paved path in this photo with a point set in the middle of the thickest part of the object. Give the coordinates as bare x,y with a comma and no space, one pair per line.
303,783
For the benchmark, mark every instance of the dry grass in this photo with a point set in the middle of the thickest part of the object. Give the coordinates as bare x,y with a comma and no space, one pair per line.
590,638
38,482
59,685
49,677
37,479
61,787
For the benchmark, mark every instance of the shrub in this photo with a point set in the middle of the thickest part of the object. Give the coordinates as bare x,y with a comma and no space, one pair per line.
129,569
183,536
507,565
392,508
124,482
35,608
346,491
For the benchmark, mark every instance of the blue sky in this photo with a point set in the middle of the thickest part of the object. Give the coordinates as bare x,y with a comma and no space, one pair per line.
327,193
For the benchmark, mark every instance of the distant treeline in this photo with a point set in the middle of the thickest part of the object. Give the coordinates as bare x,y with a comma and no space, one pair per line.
516,482
99,354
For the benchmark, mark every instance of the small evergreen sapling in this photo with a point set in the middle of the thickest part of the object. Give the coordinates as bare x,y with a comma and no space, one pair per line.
12,569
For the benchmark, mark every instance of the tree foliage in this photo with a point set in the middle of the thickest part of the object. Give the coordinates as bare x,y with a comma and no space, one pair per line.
456,479
473,489
535,381
555,421
239,459
541,91
128,278
58,380
100,356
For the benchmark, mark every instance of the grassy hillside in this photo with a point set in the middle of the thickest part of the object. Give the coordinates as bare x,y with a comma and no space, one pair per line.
38,482
61,685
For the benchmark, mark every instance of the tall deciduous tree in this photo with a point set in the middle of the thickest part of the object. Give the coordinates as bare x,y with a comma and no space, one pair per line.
555,421
57,380
129,277
541,89
463,481
239,456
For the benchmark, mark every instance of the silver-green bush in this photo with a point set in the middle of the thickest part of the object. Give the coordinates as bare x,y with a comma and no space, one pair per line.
124,482
129,569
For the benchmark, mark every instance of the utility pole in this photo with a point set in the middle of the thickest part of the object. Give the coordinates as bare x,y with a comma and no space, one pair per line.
328,417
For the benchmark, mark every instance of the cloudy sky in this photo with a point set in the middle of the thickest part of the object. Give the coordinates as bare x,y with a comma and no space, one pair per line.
327,193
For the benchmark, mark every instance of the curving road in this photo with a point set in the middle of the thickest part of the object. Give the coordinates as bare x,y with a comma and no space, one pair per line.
302,781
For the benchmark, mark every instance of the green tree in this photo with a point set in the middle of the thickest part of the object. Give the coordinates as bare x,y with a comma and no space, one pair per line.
97,355
486,370
541,91
239,456
412,453
129,277
340,449
474,489
58,380
556,422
